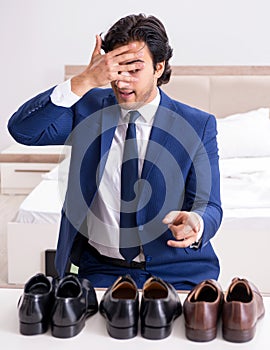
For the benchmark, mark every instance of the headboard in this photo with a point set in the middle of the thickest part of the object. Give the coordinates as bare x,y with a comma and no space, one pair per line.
220,90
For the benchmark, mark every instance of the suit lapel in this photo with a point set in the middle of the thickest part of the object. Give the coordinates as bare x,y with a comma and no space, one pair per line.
109,120
163,124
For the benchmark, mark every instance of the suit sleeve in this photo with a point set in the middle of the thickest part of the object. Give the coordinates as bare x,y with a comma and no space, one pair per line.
203,184
40,122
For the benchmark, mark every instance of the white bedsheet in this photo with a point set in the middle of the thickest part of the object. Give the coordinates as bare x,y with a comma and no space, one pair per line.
245,192
42,205
245,183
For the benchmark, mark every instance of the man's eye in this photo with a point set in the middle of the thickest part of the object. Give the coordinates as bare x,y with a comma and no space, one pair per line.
134,71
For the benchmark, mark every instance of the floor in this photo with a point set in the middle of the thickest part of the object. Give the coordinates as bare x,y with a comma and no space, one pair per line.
8,207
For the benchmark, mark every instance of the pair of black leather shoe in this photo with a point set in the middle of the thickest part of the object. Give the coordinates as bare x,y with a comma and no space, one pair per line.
64,304
160,306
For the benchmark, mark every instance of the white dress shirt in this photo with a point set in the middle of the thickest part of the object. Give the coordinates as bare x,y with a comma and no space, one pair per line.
104,216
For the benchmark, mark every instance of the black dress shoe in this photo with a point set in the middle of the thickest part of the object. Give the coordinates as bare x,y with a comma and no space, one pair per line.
160,305
35,305
75,300
120,307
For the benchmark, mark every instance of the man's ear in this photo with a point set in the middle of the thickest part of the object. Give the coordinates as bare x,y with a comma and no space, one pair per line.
160,66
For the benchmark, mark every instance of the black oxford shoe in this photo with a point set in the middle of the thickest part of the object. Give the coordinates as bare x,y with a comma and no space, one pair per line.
120,307
160,306
75,301
35,305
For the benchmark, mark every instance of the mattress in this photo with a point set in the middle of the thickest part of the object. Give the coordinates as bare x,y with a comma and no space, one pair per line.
42,205
245,182
245,188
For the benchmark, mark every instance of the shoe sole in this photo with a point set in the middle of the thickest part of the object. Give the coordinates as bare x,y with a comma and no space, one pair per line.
200,335
71,330
155,333
121,333
238,336
33,328
67,331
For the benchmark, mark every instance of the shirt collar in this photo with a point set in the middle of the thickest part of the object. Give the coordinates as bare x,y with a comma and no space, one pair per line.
147,111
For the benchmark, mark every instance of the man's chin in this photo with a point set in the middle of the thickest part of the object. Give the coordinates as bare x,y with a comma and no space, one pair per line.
130,105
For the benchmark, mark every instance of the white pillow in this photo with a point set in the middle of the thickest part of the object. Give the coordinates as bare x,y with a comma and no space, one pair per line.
244,134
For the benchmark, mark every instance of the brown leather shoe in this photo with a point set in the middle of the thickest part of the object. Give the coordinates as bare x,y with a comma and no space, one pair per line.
243,306
202,308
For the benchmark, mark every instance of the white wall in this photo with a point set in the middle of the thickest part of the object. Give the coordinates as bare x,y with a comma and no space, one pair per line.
38,37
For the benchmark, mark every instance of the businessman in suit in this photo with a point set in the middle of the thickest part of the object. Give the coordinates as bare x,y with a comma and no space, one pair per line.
143,193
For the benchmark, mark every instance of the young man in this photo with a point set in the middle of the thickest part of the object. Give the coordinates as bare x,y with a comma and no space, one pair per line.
154,216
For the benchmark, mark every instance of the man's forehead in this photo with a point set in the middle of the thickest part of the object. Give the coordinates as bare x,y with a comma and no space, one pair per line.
140,45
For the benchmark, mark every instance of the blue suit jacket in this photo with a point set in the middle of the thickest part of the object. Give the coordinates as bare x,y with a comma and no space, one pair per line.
181,167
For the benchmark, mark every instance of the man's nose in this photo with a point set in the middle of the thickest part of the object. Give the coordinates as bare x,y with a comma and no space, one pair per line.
122,84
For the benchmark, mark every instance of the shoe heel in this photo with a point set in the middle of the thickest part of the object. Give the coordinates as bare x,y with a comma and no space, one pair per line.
67,331
122,333
200,335
33,328
238,336
156,333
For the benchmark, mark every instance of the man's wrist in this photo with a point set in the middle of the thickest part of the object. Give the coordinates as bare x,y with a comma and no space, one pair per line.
198,241
63,96
80,86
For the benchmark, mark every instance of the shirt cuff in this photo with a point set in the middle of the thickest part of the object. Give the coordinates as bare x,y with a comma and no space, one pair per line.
63,96
199,235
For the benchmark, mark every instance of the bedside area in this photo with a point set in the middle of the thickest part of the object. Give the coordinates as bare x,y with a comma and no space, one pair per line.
22,166
22,170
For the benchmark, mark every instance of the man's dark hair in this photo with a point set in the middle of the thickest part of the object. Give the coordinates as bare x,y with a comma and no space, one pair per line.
142,28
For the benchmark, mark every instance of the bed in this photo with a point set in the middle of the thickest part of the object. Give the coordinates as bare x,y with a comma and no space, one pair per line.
239,98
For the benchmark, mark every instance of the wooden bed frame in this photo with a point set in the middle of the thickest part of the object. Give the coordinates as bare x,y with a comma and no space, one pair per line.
220,90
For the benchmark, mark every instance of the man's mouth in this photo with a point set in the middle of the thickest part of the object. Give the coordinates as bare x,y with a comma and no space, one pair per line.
125,93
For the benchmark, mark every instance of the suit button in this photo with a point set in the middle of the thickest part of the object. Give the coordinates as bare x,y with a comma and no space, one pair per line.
140,228
148,258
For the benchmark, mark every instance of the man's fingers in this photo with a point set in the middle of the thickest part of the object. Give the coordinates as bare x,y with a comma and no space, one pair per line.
184,227
180,244
97,49
121,49
177,218
170,218
182,231
126,58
